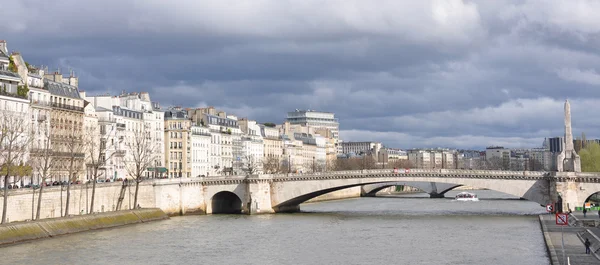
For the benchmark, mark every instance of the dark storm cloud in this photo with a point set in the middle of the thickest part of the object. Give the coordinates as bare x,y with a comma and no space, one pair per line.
408,73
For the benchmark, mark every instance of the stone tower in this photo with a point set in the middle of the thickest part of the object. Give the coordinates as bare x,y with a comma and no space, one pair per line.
568,160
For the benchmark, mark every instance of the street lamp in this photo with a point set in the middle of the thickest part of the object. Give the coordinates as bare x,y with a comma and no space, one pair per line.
289,164
314,169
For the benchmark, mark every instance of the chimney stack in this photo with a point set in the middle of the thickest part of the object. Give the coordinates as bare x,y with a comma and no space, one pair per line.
3,47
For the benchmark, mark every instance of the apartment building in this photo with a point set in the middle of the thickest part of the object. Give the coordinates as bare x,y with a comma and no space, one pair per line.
178,148
200,150
120,119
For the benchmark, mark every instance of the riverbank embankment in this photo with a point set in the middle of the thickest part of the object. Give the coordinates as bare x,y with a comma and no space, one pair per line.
574,250
46,228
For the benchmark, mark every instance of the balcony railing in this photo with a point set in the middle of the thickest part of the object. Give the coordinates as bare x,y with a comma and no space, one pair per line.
104,119
40,103
2,93
120,153
67,107
67,154
201,133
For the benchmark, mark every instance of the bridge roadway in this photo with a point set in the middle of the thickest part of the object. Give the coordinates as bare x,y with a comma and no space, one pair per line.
285,192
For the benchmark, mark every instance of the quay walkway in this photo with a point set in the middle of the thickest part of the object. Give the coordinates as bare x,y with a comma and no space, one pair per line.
574,234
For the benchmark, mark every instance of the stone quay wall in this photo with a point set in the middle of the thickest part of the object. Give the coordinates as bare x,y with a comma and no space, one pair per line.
25,231
21,202
173,196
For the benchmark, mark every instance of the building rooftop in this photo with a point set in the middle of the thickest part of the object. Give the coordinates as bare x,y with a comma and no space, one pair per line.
61,89
9,74
309,110
175,114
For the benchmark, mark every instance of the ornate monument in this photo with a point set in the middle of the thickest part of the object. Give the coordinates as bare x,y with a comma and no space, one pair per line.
568,160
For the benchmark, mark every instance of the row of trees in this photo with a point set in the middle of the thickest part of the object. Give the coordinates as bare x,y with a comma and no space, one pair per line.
27,151
590,158
272,165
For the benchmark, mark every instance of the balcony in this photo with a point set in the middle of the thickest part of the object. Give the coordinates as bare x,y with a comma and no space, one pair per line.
201,133
120,126
8,94
40,103
67,154
108,120
66,107
120,153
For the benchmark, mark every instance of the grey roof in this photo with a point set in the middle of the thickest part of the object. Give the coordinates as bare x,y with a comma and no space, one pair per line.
101,109
179,114
61,89
34,75
9,74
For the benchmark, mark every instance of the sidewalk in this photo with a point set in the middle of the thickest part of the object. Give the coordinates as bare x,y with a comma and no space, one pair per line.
574,248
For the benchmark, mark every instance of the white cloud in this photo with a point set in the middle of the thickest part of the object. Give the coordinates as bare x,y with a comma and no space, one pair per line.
576,16
407,141
586,76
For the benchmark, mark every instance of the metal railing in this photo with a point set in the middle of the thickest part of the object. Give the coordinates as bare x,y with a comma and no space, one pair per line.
15,95
40,103
67,107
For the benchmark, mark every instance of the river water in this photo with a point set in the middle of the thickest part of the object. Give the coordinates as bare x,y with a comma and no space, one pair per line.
389,230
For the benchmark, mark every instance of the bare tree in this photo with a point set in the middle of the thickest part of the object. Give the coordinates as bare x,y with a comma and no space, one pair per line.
271,165
535,165
42,160
495,163
330,164
14,144
400,163
97,156
74,162
140,156
368,162
250,164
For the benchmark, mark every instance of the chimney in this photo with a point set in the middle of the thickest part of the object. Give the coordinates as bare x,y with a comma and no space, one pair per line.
3,47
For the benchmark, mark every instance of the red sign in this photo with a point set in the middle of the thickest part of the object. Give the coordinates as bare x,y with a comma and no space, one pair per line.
395,170
406,170
549,208
562,219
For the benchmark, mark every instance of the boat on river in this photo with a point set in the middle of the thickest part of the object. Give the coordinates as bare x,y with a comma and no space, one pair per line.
466,196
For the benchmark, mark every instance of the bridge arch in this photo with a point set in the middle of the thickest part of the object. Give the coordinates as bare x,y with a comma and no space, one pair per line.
435,190
226,202
292,192
594,196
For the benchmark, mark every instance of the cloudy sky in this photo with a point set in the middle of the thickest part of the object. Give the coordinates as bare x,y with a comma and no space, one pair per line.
427,73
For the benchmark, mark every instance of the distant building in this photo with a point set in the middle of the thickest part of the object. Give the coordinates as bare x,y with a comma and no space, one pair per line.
372,148
316,120
556,144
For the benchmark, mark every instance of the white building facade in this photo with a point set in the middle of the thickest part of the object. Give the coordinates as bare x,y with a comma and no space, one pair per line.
200,139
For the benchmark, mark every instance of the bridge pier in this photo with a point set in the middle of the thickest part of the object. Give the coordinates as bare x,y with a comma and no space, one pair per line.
258,196
436,195
288,209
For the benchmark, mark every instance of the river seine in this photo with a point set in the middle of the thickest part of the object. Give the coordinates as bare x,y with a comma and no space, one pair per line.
388,230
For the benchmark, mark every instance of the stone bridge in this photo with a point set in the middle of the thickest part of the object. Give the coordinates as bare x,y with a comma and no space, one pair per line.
285,192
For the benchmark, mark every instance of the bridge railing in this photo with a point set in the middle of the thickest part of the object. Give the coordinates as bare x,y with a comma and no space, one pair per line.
449,172
399,171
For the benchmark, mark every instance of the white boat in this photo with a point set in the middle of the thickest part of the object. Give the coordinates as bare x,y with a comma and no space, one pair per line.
466,196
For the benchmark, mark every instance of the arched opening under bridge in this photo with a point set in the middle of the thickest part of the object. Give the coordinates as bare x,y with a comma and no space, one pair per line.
226,202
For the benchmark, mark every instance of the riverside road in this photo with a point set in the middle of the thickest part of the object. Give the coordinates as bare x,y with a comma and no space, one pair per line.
499,229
